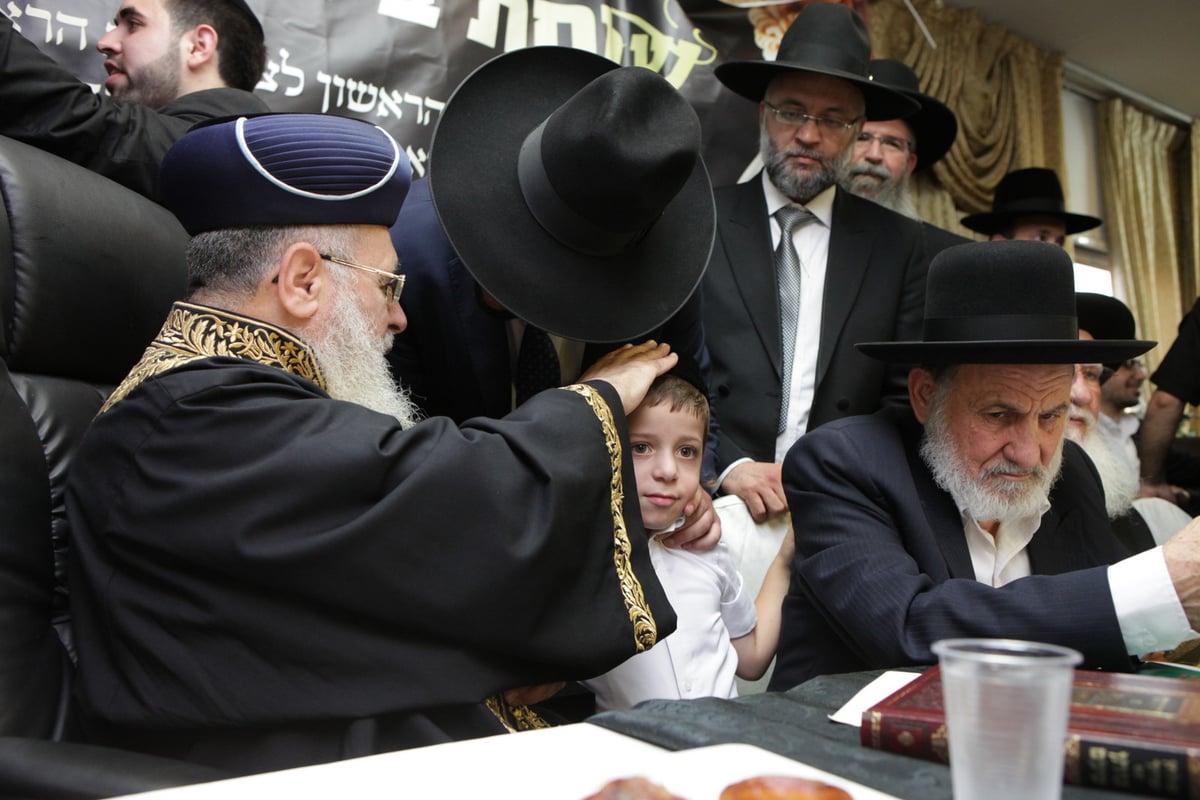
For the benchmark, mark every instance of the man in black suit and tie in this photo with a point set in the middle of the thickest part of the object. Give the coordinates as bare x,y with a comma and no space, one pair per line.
488,274
968,514
781,322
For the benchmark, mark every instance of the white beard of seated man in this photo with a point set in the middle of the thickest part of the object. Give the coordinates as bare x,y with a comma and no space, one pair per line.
1120,482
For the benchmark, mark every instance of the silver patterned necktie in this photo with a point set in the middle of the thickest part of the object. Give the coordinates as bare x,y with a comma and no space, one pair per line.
787,271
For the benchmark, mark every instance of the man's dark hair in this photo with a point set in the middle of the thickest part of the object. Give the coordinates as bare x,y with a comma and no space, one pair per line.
242,53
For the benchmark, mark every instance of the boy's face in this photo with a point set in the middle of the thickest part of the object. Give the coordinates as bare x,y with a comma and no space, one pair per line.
667,450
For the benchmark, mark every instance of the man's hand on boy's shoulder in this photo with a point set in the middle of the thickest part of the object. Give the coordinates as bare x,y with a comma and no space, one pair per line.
701,529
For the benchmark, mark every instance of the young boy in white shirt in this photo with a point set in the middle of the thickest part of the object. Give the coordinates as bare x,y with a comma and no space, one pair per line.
721,632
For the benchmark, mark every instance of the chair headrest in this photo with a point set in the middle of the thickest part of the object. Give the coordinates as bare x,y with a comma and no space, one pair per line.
88,268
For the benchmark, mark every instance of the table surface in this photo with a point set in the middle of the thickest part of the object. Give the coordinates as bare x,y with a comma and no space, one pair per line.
692,747
569,762
796,724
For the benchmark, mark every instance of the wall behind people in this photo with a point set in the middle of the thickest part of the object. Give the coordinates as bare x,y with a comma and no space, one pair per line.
1006,92
1139,157
396,62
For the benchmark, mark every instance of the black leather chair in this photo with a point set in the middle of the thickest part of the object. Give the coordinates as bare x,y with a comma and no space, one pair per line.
88,270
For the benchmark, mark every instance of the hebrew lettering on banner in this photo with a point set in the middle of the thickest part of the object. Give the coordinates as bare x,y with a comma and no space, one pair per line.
396,62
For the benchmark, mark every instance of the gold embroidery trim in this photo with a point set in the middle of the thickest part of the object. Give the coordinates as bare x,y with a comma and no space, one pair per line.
645,629
514,718
193,332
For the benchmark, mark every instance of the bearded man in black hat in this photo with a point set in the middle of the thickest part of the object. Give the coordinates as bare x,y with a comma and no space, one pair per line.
890,151
1142,522
170,64
781,321
272,564
1028,205
968,514
509,303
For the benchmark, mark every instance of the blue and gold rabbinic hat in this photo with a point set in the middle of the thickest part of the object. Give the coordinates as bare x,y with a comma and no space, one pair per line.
284,169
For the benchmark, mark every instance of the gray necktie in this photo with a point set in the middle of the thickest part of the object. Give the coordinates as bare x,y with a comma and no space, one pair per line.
787,270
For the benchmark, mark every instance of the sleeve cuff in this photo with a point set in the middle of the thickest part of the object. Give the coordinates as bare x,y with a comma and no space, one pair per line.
1148,610
725,472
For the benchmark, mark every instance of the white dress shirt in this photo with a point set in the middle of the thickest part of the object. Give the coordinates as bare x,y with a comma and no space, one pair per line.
1148,609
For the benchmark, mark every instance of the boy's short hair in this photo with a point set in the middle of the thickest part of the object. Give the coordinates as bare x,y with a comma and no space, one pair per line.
681,394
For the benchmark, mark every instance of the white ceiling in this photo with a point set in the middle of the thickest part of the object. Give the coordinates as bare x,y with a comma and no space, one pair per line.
1150,47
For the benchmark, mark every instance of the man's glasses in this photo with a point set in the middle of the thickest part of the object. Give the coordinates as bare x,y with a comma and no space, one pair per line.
895,144
795,119
1134,364
391,289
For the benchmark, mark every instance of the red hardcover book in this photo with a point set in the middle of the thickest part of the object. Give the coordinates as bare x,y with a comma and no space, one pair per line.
1133,733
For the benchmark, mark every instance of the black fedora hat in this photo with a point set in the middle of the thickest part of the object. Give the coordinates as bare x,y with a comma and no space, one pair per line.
934,124
825,38
1104,317
574,192
1034,191
1010,302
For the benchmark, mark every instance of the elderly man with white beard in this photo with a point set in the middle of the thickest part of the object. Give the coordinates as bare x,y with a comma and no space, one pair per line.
271,563
968,514
1140,523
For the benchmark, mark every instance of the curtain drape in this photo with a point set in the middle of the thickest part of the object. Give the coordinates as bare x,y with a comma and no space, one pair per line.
1142,192
1006,92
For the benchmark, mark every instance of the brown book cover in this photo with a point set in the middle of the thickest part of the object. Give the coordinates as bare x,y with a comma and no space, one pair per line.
1134,733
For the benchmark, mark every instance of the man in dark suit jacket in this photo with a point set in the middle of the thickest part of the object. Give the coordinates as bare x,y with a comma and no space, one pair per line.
485,273
941,522
862,267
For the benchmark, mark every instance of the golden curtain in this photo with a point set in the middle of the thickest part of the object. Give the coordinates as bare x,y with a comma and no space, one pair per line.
1138,157
1190,269
1006,92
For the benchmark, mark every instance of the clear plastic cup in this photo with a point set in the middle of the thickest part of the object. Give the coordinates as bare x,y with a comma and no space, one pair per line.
1007,703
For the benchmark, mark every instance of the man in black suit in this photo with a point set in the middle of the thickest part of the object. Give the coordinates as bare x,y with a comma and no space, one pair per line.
487,274
968,515
890,151
861,270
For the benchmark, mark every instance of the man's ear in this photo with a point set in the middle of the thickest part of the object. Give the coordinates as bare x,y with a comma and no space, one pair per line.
200,46
921,386
302,279
912,163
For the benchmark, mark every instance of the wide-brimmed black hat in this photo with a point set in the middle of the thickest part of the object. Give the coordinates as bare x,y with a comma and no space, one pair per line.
825,38
573,191
1034,191
934,125
1004,302
1104,317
